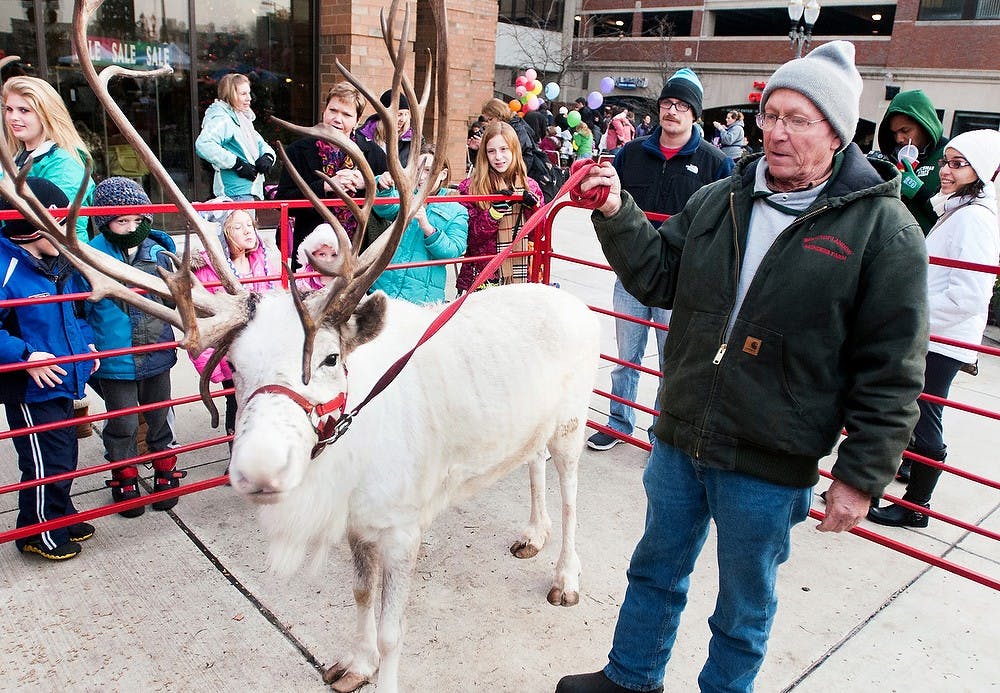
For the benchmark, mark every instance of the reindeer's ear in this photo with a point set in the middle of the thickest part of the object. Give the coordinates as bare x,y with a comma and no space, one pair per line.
365,323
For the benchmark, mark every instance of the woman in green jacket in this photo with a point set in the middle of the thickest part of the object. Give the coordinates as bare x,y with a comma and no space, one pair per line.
39,129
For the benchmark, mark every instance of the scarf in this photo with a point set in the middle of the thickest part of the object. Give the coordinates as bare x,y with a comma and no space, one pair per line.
510,218
333,159
129,240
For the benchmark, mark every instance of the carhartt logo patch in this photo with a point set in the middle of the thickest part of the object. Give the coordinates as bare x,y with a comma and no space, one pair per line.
752,346
828,245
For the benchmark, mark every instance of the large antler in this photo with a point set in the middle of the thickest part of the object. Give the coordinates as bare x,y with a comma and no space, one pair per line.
354,272
206,318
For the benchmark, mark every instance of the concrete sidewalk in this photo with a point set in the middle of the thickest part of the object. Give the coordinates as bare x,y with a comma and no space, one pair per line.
181,601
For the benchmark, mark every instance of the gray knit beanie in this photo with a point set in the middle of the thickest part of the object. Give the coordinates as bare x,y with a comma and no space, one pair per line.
827,77
117,192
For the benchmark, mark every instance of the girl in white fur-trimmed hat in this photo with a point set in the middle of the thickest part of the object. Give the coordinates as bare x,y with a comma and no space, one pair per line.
322,243
959,300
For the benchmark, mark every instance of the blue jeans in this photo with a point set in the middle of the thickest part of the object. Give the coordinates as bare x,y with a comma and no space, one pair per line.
631,338
753,520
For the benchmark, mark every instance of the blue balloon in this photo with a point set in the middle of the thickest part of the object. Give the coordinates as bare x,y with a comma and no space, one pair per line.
551,91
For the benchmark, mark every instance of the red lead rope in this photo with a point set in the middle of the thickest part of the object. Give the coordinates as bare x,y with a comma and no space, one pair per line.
590,200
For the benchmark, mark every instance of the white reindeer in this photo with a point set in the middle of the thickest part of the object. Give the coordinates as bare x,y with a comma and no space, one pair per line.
507,378
510,374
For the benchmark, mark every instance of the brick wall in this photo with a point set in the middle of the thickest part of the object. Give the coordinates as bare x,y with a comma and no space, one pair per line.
351,32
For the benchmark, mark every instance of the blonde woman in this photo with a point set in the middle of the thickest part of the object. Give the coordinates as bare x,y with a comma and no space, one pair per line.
499,169
39,129
230,143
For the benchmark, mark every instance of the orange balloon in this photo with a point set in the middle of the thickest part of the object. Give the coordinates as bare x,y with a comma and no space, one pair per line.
514,105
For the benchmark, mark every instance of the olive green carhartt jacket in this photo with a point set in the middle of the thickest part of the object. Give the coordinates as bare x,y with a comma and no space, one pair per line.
832,333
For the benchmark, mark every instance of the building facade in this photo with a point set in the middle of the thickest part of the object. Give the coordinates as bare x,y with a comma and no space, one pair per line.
288,49
945,47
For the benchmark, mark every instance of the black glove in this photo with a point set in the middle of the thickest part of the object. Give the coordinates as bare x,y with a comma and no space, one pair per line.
528,199
244,170
264,164
879,156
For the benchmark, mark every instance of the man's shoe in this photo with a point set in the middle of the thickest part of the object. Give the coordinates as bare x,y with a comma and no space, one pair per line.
81,531
903,473
602,441
897,516
63,552
593,683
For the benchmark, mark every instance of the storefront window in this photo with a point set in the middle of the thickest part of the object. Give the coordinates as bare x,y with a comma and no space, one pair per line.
268,40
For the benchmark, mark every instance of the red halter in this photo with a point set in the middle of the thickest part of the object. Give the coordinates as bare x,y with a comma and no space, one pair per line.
328,428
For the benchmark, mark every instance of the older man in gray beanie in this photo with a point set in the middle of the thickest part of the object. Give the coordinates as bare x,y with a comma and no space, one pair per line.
799,310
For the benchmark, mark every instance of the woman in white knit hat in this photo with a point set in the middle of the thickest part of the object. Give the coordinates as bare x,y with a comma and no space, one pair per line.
966,230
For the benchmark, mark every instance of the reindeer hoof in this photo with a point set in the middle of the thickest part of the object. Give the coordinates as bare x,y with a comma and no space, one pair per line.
523,549
342,680
558,597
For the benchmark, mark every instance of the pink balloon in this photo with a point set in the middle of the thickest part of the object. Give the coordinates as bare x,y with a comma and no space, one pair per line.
533,103
519,91
530,74
521,81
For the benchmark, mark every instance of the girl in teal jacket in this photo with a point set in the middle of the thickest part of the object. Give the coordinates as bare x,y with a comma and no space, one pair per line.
39,129
439,231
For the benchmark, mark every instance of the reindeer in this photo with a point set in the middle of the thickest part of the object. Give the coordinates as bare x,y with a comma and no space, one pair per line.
507,378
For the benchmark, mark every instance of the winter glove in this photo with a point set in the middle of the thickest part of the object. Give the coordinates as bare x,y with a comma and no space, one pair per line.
244,170
264,164
879,156
529,200
911,183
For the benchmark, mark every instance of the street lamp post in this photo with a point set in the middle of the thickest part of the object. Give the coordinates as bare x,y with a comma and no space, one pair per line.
799,36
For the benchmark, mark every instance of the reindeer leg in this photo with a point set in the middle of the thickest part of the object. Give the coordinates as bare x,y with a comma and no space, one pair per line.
399,549
358,668
566,583
539,524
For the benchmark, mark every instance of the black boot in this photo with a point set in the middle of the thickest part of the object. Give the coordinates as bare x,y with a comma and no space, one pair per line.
166,476
593,683
919,490
903,473
897,516
124,485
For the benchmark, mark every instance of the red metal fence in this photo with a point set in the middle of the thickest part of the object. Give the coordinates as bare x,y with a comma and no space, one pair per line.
543,257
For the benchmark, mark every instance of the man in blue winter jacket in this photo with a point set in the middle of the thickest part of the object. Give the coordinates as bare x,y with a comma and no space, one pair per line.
31,267
661,172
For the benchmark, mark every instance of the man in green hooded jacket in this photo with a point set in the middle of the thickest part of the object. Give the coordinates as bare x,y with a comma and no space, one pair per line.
911,119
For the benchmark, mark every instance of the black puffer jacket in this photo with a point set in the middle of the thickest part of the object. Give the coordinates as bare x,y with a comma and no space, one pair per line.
832,333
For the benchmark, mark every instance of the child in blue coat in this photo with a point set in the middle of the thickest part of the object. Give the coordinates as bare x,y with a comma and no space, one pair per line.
32,267
133,379
438,231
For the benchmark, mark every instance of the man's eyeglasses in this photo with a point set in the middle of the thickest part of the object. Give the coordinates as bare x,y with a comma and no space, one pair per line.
793,123
679,106
953,163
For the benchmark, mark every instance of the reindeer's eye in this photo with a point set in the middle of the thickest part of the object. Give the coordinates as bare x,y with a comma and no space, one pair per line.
331,360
